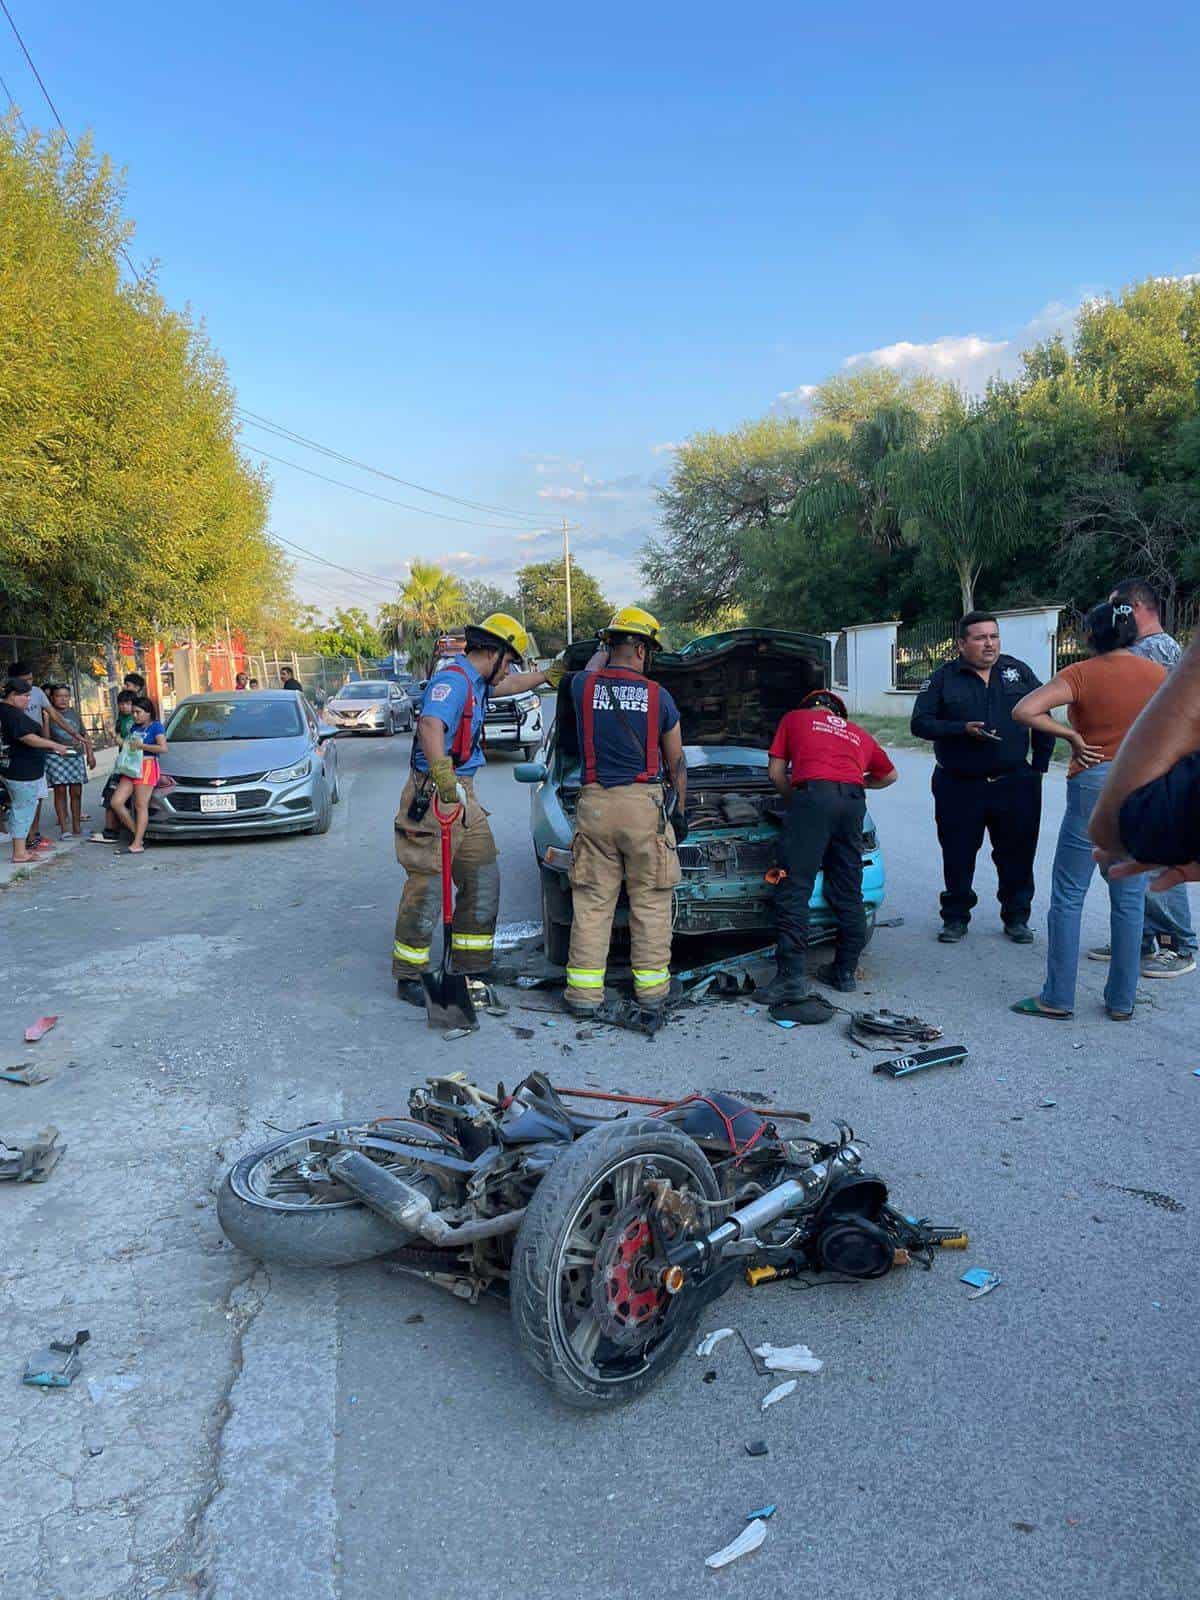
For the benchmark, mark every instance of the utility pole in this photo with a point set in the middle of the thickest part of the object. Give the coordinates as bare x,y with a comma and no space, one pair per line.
567,571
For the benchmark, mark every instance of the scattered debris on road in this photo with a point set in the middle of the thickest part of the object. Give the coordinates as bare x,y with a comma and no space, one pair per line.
31,1159
751,1536
950,1055
779,1392
885,1030
711,1340
56,1365
982,1281
788,1358
758,1447
38,1030
761,1514
27,1073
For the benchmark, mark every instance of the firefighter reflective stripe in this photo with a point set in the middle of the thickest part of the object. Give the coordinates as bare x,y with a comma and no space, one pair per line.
410,953
651,978
471,941
583,978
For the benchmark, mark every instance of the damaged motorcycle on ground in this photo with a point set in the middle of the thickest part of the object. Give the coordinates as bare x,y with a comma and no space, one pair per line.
609,1234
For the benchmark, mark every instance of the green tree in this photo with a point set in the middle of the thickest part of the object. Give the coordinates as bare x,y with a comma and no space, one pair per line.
484,598
124,500
430,603
962,495
348,632
739,502
543,589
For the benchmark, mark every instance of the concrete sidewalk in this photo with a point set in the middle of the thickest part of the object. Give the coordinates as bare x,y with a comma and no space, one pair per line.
12,872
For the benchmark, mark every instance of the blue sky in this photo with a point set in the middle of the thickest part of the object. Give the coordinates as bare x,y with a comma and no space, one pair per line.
514,254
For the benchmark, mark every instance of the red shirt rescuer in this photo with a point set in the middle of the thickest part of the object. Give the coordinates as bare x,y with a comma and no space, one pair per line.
822,763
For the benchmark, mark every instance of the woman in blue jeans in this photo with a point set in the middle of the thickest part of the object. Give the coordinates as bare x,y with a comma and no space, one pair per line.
1104,697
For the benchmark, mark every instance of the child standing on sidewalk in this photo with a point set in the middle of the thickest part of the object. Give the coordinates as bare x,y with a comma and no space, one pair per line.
67,774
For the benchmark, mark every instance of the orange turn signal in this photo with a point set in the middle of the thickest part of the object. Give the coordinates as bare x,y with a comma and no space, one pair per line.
673,1279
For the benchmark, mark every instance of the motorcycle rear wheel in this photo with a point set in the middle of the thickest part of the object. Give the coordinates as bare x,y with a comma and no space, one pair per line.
267,1208
551,1289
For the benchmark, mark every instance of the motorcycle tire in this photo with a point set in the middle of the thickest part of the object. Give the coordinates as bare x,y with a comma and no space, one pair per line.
606,1159
335,1235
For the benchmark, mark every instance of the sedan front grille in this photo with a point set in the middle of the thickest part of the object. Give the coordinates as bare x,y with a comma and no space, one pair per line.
219,783
247,800
729,858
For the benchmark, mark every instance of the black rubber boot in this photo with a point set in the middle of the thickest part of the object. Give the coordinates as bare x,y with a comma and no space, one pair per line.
952,932
836,977
789,985
412,990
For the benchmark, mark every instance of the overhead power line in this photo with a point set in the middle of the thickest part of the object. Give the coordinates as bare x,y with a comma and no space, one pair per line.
388,500
289,434
351,572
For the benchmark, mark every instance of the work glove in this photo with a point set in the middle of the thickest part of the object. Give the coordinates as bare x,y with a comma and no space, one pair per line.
556,672
679,824
447,785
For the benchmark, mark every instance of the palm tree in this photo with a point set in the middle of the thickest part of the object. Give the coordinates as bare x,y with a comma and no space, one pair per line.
846,474
963,495
429,603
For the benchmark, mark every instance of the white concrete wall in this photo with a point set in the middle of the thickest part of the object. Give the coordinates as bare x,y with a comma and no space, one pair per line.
1028,634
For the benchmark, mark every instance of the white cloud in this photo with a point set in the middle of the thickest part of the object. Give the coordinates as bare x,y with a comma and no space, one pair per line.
794,399
966,359
667,449
561,492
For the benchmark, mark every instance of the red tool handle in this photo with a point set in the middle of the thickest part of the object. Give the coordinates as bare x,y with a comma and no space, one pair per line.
446,821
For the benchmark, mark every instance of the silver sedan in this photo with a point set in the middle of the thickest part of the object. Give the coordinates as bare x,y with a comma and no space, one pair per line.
243,764
375,706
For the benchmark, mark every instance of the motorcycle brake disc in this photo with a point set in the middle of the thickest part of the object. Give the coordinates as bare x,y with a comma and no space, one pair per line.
627,1296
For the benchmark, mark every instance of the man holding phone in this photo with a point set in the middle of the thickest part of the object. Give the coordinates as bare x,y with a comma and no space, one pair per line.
984,781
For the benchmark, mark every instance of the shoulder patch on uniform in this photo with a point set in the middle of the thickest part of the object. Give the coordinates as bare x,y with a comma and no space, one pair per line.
1011,675
440,691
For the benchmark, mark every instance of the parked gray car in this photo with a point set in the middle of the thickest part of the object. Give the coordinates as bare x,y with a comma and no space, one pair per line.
245,764
374,705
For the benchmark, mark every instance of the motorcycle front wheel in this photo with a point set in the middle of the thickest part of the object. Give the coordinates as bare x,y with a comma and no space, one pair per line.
588,1314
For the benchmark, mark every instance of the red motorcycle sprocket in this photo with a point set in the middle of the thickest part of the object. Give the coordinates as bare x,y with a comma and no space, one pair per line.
627,1294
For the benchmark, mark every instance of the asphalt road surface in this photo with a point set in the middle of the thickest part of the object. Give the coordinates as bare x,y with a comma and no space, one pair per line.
258,1433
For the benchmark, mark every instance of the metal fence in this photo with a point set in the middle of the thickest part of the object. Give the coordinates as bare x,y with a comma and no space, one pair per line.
322,676
920,648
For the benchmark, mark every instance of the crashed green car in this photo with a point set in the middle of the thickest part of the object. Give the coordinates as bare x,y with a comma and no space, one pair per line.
731,689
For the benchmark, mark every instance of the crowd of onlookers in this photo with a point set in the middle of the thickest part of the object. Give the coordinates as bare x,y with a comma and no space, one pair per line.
45,751
993,737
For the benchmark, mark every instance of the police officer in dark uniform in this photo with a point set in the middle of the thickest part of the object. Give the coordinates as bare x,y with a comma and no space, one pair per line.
984,780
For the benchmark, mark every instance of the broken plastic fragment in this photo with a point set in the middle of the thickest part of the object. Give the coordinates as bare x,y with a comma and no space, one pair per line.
982,1281
757,1447
1046,1103
788,1358
784,1022
779,1392
763,1511
710,1341
56,1365
37,1029
751,1536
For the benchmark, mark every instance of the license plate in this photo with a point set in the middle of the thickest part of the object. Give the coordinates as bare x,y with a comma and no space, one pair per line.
218,802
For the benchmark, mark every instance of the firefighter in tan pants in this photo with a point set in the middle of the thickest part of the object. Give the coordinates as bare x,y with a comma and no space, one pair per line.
447,752
629,741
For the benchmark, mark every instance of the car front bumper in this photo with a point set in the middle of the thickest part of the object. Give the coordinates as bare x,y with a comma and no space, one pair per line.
512,734
261,807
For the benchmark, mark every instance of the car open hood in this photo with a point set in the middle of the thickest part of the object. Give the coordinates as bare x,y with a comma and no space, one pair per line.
230,758
732,688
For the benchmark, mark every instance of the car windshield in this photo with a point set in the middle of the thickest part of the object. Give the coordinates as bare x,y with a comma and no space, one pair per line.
240,718
362,691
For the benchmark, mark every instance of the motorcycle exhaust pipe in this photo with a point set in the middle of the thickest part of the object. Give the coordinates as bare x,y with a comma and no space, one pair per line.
690,1255
407,1208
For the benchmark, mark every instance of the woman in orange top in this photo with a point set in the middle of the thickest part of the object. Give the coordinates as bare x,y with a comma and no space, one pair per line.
1104,697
